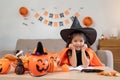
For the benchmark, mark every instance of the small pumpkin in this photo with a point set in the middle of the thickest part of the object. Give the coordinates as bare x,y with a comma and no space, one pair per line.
87,21
4,66
23,11
54,61
65,68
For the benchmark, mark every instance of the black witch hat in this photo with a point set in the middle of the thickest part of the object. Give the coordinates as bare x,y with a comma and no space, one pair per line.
39,50
90,33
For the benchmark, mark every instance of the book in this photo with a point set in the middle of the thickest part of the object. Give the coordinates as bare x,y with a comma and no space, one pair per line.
79,68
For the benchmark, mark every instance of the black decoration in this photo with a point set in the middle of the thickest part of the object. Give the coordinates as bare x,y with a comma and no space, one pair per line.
61,15
61,23
50,15
41,18
50,23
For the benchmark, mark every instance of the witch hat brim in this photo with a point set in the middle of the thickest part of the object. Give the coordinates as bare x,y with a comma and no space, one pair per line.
90,33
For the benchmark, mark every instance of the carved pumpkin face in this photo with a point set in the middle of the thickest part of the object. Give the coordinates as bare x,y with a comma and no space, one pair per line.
54,61
38,65
4,66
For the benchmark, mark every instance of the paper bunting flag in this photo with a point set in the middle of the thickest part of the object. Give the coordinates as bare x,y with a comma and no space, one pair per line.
36,15
66,12
50,23
72,18
61,23
77,14
50,15
56,16
45,21
67,21
45,13
41,18
61,15
55,24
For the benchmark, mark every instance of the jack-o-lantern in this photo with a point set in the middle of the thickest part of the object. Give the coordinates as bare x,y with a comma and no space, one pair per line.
4,66
38,61
54,61
38,65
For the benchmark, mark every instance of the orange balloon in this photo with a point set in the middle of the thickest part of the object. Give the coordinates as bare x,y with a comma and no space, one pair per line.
87,21
23,11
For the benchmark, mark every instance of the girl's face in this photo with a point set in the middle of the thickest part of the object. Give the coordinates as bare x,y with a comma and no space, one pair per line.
78,41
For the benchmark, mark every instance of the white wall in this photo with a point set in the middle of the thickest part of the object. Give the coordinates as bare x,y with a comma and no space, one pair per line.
105,13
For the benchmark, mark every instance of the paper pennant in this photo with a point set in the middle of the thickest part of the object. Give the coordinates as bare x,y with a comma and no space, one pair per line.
45,13
56,16
61,15
66,12
67,21
50,15
36,15
72,18
45,21
77,14
61,23
55,24
50,23
41,18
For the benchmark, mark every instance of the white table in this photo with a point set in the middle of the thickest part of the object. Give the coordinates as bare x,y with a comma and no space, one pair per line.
71,75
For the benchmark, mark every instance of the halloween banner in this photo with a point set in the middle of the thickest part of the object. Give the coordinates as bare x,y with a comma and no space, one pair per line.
54,18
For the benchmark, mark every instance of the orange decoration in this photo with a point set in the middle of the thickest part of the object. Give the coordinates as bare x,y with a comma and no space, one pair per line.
38,65
55,24
56,16
87,21
23,11
4,66
54,61
65,68
67,21
45,13
66,12
109,73
36,15
77,14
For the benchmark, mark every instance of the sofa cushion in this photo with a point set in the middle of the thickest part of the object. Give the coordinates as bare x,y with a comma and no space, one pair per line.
52,45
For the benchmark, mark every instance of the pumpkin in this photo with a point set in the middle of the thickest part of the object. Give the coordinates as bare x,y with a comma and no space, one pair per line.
54,61
4,66
38,65
87,21
65,68
23,11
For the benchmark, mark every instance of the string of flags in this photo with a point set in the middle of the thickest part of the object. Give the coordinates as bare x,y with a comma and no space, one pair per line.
44,18
60,19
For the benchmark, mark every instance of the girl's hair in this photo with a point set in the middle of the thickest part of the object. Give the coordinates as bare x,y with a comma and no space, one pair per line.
73,34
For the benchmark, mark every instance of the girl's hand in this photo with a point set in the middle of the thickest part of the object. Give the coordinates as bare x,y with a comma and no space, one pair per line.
71,46
84,47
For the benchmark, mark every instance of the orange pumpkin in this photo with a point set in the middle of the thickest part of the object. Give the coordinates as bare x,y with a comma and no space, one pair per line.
87,21
4,66
54,61
65,68
23,11
38,65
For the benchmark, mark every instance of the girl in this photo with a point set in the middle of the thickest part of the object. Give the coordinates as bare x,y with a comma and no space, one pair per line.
77,51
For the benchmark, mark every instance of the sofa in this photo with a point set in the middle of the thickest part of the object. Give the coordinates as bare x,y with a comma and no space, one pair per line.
55,45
